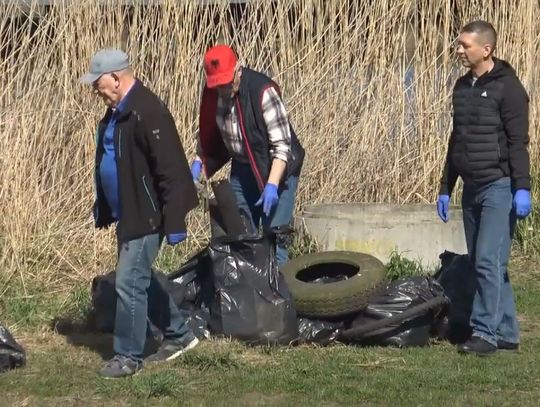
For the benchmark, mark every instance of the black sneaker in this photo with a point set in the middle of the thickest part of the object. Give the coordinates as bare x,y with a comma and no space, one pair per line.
477,346
171,349
507,346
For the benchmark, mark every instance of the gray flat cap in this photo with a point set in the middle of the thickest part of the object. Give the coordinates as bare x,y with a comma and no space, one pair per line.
105,61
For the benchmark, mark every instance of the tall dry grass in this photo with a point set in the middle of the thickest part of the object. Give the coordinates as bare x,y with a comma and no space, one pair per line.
367,84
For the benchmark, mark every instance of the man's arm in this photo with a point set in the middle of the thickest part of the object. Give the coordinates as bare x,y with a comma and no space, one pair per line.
279,133
450,175
515,117
171,169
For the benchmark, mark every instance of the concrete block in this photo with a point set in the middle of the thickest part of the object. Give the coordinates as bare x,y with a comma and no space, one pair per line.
413,230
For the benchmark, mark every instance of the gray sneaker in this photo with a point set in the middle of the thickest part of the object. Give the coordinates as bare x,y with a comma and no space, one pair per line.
120,366
171,349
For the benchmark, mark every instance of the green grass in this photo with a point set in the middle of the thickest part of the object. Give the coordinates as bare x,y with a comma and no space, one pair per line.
227,373
63,372
33,307
399,266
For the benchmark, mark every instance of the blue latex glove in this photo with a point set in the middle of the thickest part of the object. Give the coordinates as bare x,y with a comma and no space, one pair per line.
269,198
196,168
175,238
522,203
443,204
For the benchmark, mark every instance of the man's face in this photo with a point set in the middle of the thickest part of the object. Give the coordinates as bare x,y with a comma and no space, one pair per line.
472,50
230,89
225,90
107,87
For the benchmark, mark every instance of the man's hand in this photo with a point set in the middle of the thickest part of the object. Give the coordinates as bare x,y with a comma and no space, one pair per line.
175,238
443,204
269,198
196,168
522,203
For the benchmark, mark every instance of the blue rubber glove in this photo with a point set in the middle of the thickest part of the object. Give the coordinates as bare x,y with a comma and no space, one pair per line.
522,203
196,168
175,238
269,198
443,204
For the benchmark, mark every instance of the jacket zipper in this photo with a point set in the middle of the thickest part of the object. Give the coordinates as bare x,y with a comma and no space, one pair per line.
99,156
148,193
118,155
248,148
119,143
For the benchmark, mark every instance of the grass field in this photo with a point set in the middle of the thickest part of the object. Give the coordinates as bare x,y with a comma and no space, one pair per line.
62,370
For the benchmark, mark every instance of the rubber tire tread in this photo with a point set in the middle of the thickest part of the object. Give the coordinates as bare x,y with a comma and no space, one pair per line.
335,299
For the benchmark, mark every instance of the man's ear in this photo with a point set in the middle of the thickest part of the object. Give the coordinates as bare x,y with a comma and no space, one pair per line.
488,50
116,80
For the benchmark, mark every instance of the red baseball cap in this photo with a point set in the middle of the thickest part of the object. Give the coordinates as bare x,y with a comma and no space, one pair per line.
219,64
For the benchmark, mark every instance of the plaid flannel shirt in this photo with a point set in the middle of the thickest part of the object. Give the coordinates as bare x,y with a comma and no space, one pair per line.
275,117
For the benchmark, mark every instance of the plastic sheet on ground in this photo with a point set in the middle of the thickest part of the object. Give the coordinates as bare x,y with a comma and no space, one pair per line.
318,331
400,296
12,354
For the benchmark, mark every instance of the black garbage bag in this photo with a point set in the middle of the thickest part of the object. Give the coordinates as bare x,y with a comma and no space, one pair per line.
330,279
402,316
103,291
12,355
195,278
458,279
197,320
251,300
185,293
319,331
226,218
103,308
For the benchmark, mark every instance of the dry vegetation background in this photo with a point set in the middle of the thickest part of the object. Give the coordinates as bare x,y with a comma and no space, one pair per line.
367,83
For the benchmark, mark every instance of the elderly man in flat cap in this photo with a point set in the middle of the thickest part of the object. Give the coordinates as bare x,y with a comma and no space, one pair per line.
144,187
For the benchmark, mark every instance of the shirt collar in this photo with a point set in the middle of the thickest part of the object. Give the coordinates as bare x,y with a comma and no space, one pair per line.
122,104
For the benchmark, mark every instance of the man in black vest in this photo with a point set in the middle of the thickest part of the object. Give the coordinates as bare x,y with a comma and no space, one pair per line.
488,150
243,119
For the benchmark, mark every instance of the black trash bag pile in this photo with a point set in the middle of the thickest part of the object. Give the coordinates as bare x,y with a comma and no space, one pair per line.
242,288
251,300
12,355
194,291
103,313
404,315
232,287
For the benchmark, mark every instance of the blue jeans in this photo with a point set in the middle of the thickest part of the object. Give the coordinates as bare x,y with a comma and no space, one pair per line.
134,278
247,193
489,221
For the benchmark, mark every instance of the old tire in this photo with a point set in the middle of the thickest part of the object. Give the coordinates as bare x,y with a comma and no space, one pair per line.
365,277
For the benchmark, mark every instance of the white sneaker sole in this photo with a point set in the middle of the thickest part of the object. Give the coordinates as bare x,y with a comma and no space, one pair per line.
189,346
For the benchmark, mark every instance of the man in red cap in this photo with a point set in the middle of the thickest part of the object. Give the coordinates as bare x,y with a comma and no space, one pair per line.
243,119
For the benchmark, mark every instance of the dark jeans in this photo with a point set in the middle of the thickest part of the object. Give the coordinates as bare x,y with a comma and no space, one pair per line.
133,279
247,194
489,221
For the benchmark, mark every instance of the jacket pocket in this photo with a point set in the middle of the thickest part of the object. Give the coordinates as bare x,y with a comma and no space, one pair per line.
148,193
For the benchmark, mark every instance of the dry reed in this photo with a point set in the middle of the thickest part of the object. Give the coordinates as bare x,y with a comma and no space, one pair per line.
373,130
